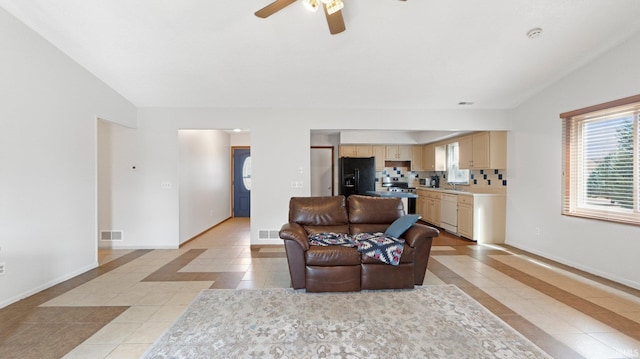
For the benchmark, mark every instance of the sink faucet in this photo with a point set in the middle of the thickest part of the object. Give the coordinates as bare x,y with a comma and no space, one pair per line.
454,186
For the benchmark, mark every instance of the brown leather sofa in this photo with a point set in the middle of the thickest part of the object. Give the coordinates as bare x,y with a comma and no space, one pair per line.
343,269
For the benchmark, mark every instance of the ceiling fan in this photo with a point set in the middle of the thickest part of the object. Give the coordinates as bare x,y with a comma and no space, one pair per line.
332,10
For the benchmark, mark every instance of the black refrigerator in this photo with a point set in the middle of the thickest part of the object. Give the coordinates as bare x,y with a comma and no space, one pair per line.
357,175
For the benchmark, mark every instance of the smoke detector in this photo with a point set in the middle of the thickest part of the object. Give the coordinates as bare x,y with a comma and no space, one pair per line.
534,33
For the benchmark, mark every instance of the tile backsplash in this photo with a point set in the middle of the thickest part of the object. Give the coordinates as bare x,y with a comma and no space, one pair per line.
488,181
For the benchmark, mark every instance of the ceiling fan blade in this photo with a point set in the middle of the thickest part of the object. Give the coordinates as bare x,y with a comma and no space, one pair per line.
335,21
273,8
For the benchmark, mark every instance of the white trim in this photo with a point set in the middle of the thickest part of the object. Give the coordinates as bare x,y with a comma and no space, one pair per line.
46,285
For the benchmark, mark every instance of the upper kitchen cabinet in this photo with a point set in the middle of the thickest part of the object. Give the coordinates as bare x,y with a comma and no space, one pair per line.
465,151
379,152
434,157
417,158
356,151
399,153
483,150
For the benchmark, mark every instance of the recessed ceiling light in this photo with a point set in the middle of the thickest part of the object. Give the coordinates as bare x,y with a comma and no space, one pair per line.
465,103
534,33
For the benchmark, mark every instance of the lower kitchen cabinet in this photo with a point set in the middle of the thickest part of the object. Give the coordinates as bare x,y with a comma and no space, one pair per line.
429,206
465,217
482,217
433,205
421,204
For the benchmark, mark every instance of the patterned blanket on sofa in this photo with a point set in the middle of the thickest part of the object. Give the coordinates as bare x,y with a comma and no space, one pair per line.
374,245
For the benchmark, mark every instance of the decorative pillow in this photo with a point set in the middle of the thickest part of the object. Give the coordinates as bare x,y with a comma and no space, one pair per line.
331,239
401,225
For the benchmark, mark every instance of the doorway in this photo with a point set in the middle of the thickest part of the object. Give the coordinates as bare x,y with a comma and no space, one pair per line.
241,181
321,171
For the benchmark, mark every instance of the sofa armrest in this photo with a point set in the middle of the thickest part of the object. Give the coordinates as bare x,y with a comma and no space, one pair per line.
419,232
295,232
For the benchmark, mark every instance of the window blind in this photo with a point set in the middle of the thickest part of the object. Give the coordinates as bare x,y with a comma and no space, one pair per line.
601,157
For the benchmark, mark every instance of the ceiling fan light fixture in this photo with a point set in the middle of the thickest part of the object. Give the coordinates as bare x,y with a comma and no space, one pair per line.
311,5
333,5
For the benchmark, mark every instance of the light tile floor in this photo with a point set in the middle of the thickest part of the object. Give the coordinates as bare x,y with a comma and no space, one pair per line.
566,312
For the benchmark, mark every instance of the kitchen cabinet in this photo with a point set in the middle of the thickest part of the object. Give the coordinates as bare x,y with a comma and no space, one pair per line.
432,207
398,153
490,150
417,158
433,210
483,150
379,152
421,204
434,157
465,152
482,217
465,216
356,151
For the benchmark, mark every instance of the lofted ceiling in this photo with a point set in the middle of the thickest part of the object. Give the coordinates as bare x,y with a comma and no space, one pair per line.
393,54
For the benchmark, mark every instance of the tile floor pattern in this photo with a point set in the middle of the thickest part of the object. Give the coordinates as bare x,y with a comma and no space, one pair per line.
119,309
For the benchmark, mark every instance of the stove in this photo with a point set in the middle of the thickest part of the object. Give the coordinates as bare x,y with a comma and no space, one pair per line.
393,184
402,189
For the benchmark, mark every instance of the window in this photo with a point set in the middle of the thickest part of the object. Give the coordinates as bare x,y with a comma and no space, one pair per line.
601,161
454,173
246,173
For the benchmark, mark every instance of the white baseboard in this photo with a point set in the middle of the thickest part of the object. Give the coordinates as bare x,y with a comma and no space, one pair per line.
569,263
47,285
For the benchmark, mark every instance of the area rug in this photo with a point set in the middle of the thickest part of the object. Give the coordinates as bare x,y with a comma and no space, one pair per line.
425,322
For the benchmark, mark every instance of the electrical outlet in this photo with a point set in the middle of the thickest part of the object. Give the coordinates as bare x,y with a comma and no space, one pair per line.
537,231
2,268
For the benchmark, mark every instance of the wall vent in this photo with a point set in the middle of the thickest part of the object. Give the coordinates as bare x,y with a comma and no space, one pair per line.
268,234
110,235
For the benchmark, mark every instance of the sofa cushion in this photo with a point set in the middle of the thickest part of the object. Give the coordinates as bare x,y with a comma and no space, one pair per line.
407,256
332,256
378,245
374,210
344,228
331,239
318,211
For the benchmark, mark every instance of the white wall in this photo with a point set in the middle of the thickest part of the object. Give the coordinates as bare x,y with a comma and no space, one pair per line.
241,139
204,162
280,144
48,116
535,173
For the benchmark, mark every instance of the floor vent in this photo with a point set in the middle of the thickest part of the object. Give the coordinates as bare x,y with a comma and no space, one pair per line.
110,235
268,234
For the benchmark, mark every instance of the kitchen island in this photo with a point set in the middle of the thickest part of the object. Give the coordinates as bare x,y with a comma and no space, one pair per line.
408,199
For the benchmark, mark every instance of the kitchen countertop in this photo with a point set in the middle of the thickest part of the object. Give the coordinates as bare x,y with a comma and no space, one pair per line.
458,192
392,194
